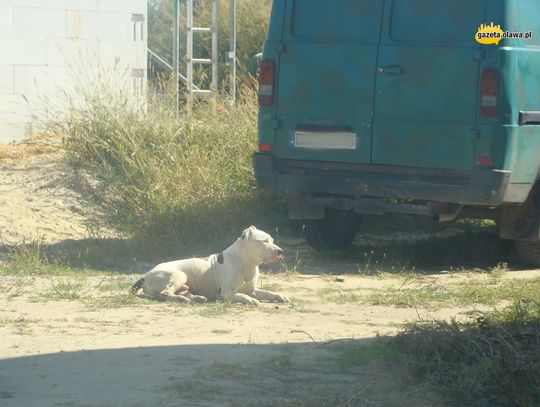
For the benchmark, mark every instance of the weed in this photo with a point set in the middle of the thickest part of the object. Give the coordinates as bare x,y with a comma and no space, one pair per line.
230,371
17,286
340,296
428,292
21,324
217,309
25,259
499,270
64,290
294,270
33,259
368,257
114,284
351,353
300,305
111,301
280,362
493,361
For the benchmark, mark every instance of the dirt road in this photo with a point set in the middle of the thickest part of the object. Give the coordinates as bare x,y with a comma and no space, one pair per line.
80,340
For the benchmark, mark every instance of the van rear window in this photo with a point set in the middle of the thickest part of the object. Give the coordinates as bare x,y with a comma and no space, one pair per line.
427,21
337,20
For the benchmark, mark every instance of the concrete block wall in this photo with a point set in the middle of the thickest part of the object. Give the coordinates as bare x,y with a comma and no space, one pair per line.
46,45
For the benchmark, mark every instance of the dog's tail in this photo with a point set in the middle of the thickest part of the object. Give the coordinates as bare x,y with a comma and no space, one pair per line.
137,286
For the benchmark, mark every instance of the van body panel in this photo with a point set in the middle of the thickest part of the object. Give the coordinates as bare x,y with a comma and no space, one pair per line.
277,16
412,143
420,108
272,47
417,108
523,152
335,92
327,75
490,142
520,92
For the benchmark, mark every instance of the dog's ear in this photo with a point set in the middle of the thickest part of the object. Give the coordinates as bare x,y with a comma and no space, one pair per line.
247,232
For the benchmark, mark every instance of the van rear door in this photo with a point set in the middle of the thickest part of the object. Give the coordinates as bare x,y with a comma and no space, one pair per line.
326,79
427,84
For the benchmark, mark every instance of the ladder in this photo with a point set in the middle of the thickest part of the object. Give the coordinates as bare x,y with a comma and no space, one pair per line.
192,90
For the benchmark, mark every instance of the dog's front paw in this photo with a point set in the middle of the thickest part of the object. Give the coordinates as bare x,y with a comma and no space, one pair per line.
281,298
252,301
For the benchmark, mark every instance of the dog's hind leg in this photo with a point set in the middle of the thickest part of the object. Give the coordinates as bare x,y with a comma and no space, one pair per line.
196,298
175,290
166,295
184,291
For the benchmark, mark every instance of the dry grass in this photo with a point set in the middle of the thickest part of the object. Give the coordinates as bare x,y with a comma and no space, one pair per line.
38,144
162,175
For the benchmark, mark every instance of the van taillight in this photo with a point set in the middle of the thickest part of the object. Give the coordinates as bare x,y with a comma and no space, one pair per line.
488,92
266,82
265,148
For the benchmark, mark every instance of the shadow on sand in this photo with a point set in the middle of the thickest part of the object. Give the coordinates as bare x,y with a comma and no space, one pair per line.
305,374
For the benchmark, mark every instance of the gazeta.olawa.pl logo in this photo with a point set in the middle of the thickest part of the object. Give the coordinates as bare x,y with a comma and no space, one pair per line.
493,34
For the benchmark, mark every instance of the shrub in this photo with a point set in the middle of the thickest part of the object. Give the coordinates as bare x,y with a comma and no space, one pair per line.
190,177
494,361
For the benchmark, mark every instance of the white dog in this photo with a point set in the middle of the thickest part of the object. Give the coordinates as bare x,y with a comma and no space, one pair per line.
230,275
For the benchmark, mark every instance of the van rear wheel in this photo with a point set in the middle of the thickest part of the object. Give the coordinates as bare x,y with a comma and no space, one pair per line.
336,231
528,251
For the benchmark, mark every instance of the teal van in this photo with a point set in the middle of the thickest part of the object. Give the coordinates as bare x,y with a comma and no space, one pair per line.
420,107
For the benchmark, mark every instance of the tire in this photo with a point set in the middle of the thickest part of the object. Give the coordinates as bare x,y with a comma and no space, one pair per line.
336,231
528,251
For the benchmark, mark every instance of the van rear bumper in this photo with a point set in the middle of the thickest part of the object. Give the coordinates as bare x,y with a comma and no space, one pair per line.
468,187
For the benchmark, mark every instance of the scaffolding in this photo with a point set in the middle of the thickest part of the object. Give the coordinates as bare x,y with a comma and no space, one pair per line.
192,90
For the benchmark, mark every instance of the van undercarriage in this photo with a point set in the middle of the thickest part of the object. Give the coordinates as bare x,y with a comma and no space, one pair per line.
434,196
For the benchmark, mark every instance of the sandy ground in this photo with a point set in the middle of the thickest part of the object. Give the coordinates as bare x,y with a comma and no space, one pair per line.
81,341
41,199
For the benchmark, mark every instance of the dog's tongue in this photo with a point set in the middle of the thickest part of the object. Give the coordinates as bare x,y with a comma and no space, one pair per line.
275,258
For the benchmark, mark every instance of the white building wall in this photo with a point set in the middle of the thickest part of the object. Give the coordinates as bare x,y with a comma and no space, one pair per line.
45,45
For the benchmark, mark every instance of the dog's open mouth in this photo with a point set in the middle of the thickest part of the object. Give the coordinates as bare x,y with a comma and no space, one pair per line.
274,259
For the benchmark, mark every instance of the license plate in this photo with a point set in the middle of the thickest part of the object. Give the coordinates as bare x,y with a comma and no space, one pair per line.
325,140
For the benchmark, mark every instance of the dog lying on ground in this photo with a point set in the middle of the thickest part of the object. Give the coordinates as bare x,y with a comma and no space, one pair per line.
230,275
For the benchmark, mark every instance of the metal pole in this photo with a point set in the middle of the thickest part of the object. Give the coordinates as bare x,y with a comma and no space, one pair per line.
176,54
214,85
232,53
189,55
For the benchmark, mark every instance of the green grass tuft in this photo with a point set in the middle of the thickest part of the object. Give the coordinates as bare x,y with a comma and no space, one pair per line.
351,354
428,293
64,290
494,361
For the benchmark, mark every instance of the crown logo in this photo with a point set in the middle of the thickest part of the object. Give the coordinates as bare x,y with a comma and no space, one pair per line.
489,34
